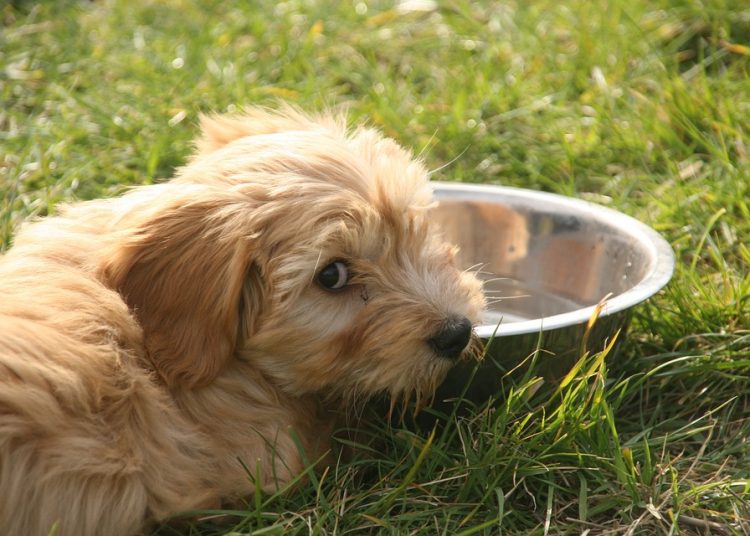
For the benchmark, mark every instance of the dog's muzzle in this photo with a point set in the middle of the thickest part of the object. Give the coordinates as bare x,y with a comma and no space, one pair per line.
452,338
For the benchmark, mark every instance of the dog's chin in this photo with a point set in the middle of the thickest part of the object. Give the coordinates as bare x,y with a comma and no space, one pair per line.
416,392
407,385
423,388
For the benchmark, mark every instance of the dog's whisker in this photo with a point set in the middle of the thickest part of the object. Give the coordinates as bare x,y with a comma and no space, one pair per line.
315,268
427,144
476,268
450,162
495,279
515,297
493,300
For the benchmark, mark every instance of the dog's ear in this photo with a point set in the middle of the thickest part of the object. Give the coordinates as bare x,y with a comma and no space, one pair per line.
218,130
183,269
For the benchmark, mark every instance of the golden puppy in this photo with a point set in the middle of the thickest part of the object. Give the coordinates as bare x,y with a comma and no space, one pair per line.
157,349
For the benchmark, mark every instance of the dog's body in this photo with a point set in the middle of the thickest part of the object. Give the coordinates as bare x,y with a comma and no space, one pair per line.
173,348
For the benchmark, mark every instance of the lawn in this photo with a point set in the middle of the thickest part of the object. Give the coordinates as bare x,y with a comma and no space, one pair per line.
640,105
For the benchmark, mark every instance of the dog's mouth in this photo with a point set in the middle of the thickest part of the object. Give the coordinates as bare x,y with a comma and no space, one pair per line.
475,349
421,393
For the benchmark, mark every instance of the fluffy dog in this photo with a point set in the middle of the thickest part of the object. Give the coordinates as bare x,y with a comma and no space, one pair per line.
173,348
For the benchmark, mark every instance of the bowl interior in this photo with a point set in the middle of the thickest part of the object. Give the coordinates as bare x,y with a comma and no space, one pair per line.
543,255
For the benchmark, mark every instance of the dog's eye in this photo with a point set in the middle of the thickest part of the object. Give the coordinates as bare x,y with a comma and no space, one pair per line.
335,276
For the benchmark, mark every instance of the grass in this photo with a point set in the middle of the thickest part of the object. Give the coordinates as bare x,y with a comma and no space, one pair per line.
640,105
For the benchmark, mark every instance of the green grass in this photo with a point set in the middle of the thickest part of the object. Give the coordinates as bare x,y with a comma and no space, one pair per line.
641,105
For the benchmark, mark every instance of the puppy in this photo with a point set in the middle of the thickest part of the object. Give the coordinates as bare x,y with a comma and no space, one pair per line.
181,345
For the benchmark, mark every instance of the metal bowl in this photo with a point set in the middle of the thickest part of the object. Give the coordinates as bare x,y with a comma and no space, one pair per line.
547,262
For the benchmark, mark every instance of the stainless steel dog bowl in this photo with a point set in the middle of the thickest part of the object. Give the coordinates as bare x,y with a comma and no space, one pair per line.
547,261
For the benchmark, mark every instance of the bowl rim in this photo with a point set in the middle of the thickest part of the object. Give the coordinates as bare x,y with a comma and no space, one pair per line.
656,277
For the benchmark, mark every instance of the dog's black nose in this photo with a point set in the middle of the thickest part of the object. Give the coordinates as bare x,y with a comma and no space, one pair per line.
451,340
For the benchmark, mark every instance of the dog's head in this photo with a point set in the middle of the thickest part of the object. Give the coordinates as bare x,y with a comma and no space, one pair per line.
303,248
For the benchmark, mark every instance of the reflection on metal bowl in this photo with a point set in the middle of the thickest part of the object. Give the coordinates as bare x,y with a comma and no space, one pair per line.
547,261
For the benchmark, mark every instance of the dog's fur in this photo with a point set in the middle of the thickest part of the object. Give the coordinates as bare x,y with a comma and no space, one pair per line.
157,348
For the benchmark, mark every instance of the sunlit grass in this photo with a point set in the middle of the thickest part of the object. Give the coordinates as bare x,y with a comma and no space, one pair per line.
641,105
